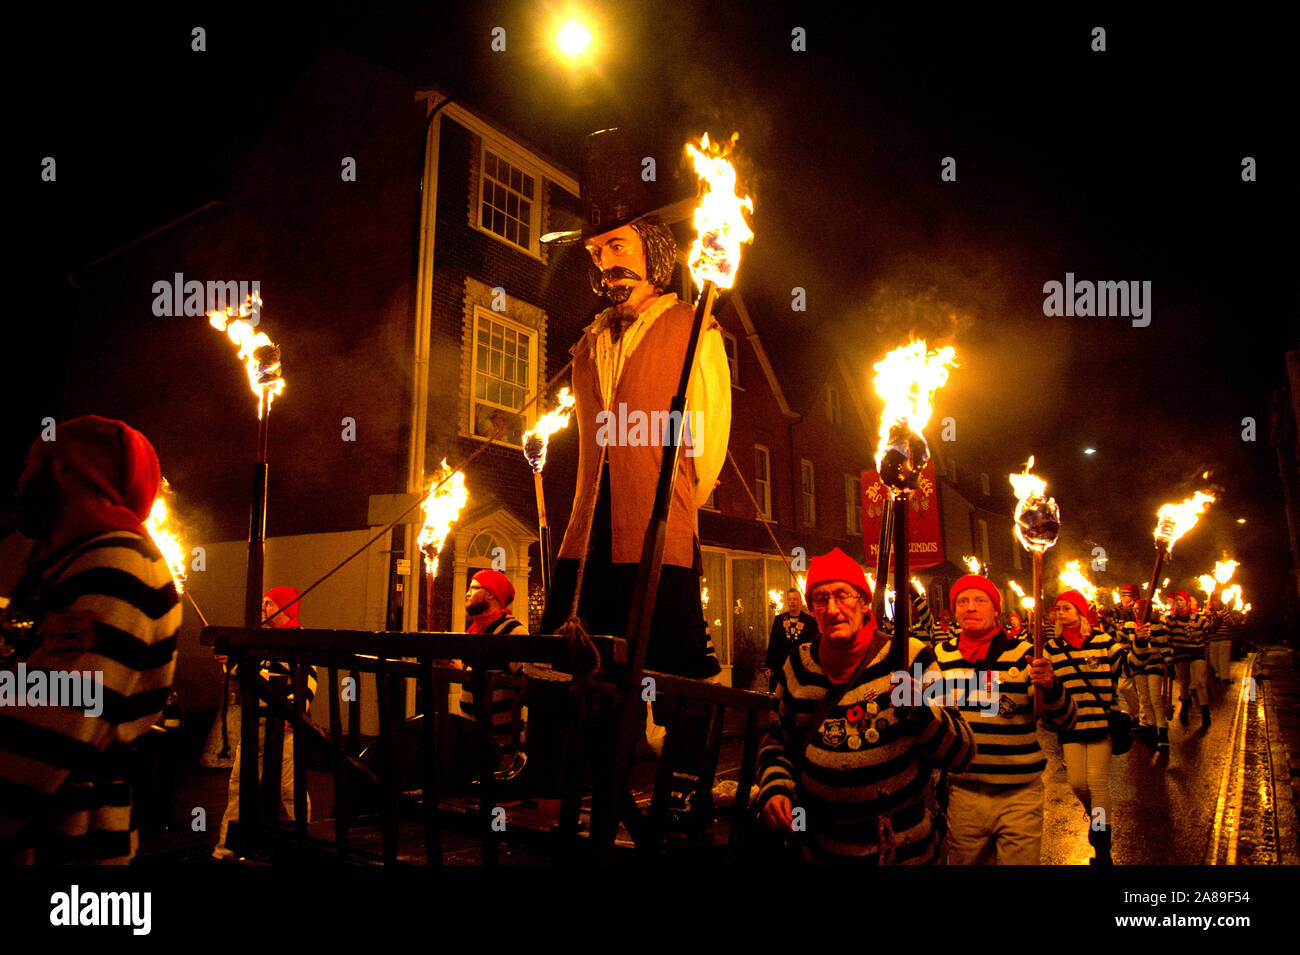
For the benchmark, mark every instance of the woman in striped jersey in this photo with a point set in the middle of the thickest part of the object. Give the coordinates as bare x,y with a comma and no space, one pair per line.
852,776
1188,636
100,600
1088,662
995,807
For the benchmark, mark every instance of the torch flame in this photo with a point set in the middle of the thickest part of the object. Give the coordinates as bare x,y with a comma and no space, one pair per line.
907,379
537,438
704,592
1175,520
160,528
1206,583
1223,570
1114,597
1037,518
972,563
720,225
1072,578
447,497
261,357
803,583
1232,596
1016,587
775,597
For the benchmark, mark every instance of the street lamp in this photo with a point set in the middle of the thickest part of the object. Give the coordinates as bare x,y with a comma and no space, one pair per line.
573,39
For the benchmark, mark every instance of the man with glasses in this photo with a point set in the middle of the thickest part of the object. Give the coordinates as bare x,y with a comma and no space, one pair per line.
840,763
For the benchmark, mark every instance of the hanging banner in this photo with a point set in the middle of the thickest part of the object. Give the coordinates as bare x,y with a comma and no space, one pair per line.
924,533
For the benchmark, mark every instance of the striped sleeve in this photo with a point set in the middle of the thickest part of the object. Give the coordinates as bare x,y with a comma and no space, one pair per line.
111,613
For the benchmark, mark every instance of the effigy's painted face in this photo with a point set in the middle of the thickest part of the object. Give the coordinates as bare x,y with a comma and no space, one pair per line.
620,257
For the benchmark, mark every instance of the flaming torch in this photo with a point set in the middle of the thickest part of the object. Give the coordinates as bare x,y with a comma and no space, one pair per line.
1038,522
446,499
972,564
906,379
1173,521
535,445
266,379
1027,602
1223,571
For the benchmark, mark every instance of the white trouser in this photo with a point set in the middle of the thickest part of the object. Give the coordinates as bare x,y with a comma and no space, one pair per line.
1150,690
1128,696
286,782
1221,658
1087,766
1191,680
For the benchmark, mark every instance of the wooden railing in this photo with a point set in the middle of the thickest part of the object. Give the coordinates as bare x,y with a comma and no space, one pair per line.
400,661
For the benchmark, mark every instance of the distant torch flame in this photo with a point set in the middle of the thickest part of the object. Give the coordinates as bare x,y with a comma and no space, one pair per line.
1114,597
916,582
441,508
775,597
1206,582
1072,578
261,356
1223,570
803,583
720,225
1232,596
907,379
538,437
972,563
1175,520
164,535
1016,587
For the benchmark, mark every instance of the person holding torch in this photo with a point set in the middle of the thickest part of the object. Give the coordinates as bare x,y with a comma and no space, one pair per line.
840,762
1189,634
1088,661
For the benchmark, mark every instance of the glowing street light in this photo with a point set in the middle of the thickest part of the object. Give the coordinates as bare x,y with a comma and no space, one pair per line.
573,39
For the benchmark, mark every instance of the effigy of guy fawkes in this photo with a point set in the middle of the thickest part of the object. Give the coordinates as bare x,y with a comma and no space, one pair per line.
619,378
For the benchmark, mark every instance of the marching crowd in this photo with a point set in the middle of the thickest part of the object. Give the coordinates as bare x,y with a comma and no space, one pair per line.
853,772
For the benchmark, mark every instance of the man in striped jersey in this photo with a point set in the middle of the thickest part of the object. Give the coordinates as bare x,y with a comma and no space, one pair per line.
1113,622
1189,634
98,597
853,781
1147,660
280,610
490,594
995,807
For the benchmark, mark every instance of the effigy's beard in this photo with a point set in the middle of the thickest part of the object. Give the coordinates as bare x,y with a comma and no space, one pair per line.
618,294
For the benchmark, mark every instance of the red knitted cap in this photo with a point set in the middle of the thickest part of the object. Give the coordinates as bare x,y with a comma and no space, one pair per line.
835,565
1077,599
497,584
976,582
286,598
112,457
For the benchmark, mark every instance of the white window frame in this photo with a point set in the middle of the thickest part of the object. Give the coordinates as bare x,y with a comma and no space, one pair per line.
853,504
733,357
763,484
808,492
833,408
520,162
534,355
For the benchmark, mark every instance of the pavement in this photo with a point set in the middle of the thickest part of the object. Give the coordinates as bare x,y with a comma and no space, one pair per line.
1277,675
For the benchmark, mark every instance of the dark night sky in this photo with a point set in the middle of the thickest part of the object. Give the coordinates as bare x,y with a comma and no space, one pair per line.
1115,166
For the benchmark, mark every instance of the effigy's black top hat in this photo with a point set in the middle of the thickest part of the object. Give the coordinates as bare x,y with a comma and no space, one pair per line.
613,192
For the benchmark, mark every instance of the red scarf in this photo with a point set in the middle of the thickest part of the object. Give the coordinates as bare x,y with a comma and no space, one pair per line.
839,658
975,649
485,620
1073,636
